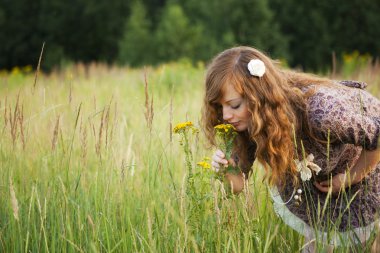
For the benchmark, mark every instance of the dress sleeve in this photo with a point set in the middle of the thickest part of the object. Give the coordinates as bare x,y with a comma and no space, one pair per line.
346,117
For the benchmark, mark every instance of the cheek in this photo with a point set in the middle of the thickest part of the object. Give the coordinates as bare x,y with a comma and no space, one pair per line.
245,114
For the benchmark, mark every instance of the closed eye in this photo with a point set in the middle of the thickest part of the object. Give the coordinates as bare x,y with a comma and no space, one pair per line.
236,106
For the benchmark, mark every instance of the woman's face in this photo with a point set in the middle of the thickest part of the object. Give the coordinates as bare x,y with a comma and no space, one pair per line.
235,110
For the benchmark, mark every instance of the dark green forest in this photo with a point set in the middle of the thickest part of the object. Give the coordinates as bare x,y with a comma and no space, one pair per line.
304,34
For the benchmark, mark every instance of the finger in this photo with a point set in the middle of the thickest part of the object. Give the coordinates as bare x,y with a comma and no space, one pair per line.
219,159
320,187
215,166
325,183
219,153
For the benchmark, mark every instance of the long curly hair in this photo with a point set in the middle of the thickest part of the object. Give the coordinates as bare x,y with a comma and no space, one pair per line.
276,105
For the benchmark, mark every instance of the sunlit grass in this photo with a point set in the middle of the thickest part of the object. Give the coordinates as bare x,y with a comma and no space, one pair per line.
83,171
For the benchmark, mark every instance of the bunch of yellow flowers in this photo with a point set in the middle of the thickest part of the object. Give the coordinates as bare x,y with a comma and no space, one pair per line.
182,127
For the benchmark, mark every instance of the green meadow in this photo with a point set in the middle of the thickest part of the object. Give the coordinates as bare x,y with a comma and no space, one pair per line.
89,163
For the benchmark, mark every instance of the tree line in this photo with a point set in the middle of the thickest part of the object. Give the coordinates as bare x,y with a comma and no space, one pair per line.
148,32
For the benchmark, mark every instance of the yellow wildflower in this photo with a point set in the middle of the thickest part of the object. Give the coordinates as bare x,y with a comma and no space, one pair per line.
15,71
27,69
204,165
226,134
227,128
182,126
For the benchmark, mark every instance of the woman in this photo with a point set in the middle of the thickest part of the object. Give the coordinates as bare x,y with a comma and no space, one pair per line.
316,138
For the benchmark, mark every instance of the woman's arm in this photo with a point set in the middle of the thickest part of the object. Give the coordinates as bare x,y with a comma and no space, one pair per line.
365,164
349,116
235,181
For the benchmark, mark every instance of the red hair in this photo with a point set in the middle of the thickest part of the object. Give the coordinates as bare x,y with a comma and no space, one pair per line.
276,104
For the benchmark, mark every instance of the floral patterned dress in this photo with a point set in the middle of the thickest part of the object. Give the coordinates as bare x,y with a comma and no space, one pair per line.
349,117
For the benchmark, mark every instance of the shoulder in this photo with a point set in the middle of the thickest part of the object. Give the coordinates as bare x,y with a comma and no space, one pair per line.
322,99
329,106
348,114
342,96
347,94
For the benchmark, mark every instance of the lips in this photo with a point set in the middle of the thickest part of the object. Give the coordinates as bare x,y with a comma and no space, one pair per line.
235,124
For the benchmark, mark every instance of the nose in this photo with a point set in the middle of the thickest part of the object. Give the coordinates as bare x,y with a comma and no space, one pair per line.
227,115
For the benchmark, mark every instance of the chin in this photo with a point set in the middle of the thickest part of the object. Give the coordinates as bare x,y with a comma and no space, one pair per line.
241,128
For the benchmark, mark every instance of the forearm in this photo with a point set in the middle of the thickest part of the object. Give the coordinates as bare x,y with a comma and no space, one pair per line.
366,162
235,181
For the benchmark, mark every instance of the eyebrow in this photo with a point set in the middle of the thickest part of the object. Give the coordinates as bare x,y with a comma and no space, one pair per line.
233,99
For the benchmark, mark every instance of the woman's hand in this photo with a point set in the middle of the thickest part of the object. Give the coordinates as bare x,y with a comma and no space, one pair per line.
365,164
236,182
336,183
218,160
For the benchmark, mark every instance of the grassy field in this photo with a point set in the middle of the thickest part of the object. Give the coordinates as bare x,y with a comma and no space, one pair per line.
89,163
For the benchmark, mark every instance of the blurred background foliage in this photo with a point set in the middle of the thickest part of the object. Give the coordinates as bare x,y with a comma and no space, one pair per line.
306,34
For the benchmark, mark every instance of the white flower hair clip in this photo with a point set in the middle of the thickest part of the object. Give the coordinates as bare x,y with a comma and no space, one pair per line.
256,67
306,166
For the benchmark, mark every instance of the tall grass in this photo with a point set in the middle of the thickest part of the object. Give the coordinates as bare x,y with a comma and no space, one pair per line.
89,163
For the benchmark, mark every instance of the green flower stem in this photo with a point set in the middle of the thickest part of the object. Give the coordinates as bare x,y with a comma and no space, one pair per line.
227,134
188,157
228,142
